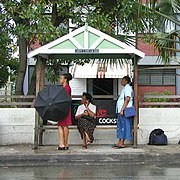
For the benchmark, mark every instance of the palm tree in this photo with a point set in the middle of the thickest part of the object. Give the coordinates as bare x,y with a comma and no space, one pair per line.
167,13
135,17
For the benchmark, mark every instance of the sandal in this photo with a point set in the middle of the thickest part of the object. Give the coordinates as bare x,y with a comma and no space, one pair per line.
61,148
66,148
89,142
119,147
114,146
84,147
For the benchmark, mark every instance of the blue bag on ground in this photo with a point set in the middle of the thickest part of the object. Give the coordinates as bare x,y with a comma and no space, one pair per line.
157,137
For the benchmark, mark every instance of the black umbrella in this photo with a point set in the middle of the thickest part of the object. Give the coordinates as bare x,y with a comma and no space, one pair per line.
53,103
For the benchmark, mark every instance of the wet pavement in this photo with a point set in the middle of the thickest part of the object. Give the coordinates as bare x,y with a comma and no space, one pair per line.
161,171
96,162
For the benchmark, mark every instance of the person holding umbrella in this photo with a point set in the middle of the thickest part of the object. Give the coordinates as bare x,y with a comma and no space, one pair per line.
63,124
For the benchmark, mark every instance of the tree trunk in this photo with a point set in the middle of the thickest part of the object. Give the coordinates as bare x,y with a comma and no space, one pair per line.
22,65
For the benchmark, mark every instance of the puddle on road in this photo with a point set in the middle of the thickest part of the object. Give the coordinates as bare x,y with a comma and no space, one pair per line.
92,172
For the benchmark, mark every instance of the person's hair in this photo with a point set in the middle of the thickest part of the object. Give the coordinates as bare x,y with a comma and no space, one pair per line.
67,76
128,79
88,96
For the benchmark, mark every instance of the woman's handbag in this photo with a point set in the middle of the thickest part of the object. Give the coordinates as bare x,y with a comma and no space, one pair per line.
130,112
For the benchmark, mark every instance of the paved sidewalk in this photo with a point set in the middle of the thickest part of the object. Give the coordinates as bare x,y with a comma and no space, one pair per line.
20,155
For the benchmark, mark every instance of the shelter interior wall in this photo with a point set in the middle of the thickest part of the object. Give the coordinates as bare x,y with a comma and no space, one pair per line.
78,86
120,87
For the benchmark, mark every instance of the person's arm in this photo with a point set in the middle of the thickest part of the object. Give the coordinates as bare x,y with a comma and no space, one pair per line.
127,96
78,115
90,113
127,99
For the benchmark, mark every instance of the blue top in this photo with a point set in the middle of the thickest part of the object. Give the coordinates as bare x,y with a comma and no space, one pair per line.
127,91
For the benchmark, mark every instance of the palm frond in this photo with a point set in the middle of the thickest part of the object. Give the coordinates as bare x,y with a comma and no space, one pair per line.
165,43
166,9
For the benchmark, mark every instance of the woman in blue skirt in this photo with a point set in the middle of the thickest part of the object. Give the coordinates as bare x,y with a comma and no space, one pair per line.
124,125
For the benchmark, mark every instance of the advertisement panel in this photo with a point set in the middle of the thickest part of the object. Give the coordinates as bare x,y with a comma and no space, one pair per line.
106,111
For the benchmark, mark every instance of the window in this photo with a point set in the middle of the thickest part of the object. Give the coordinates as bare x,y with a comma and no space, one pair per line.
157,77
102,86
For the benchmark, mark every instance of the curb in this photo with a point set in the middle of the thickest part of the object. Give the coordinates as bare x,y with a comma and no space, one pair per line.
88,159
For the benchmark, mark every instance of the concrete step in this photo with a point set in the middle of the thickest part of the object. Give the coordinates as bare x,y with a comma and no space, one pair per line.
24,155
102,134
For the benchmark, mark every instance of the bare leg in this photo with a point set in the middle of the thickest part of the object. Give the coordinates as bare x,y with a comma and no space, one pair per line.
61,136
87,137
66,135
84,141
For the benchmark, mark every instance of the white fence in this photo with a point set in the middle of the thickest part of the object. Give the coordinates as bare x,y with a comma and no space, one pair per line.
167,119
17,125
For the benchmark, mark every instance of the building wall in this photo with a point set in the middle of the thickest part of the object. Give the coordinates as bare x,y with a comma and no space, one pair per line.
78,86
145,89
17,127
147,48
163,118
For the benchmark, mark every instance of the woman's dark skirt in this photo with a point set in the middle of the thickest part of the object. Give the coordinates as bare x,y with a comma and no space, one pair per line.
87,126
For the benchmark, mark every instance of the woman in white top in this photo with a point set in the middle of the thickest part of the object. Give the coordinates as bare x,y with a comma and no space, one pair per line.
86,119
124,124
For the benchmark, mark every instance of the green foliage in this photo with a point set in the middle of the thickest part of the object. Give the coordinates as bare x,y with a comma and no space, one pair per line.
6,50
169,8
4,75
166,12
47,20
152,99
165,44
53,69
134,17
166,92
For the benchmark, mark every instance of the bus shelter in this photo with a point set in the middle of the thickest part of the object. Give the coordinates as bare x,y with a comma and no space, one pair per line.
86,43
